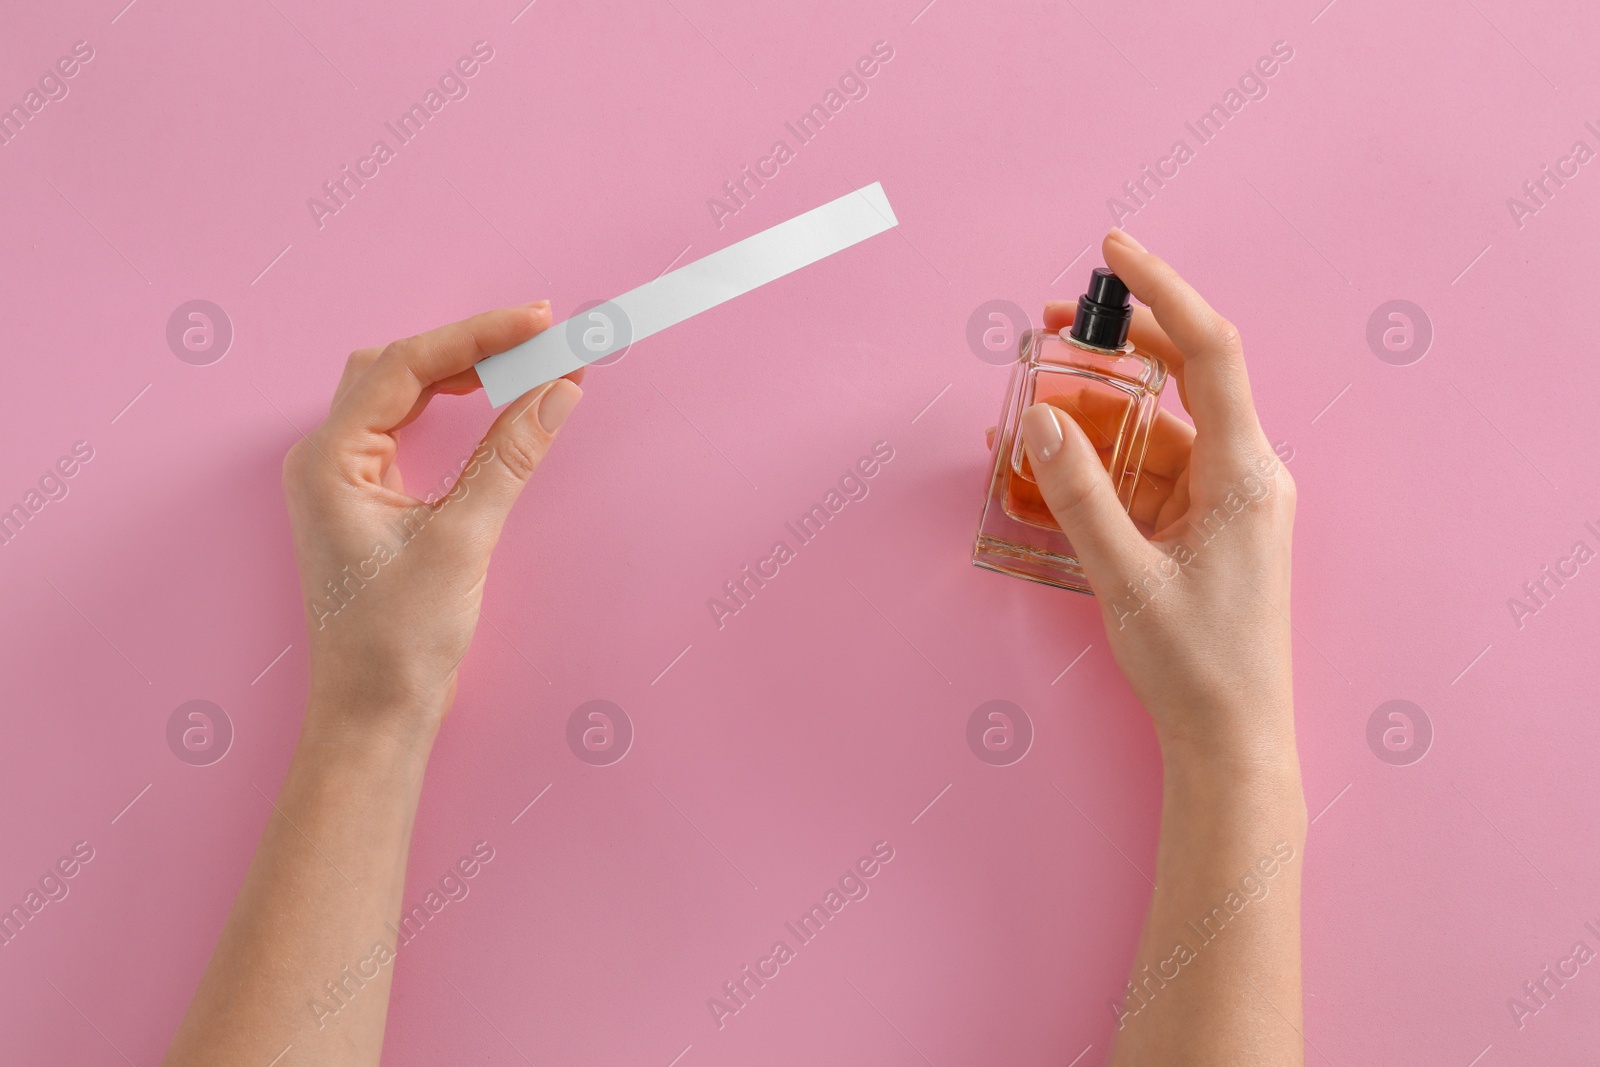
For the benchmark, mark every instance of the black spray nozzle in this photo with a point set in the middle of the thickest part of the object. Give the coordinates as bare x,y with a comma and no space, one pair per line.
1104,312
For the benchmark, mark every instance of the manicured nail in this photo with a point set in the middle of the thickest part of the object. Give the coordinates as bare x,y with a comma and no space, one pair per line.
557,403
1127,238
1041,432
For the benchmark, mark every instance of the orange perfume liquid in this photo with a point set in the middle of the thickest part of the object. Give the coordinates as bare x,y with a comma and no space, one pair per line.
1103,413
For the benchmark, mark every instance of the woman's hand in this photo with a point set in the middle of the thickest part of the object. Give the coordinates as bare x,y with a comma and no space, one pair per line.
1197,614
392,584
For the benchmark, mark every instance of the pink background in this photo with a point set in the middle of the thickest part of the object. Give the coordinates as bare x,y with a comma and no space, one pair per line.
829,713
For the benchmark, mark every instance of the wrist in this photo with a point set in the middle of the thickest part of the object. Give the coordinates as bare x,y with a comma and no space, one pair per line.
1255,739
1249,794
391,721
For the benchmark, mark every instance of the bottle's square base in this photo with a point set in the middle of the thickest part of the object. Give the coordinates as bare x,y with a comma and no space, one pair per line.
1026,561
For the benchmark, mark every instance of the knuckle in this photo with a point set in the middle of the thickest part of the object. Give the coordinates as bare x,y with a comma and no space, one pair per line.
1287,482
299,471
361,359
521,454
294,462
1227,337
306,466
402,350
1288,491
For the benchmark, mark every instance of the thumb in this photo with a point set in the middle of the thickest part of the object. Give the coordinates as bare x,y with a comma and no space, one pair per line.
511,451
1078,491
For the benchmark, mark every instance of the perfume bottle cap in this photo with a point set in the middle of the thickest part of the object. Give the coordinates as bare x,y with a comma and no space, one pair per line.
1104,312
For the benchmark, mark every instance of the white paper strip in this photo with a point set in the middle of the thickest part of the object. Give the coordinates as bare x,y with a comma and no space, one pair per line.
610,327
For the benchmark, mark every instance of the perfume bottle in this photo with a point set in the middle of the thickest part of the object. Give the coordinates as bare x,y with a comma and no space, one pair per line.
1111,388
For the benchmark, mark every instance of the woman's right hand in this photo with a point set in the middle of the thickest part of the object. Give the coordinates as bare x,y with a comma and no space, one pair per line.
1197,614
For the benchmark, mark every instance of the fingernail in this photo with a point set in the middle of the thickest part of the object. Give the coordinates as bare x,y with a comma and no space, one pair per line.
1127,238
538,305
1041,432
557,403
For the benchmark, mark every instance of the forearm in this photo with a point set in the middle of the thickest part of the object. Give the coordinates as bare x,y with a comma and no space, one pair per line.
1216,979
306,958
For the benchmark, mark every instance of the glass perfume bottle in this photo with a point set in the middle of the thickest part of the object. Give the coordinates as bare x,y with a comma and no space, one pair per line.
1111,388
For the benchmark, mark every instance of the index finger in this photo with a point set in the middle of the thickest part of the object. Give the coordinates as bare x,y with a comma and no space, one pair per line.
386,394
1215,383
